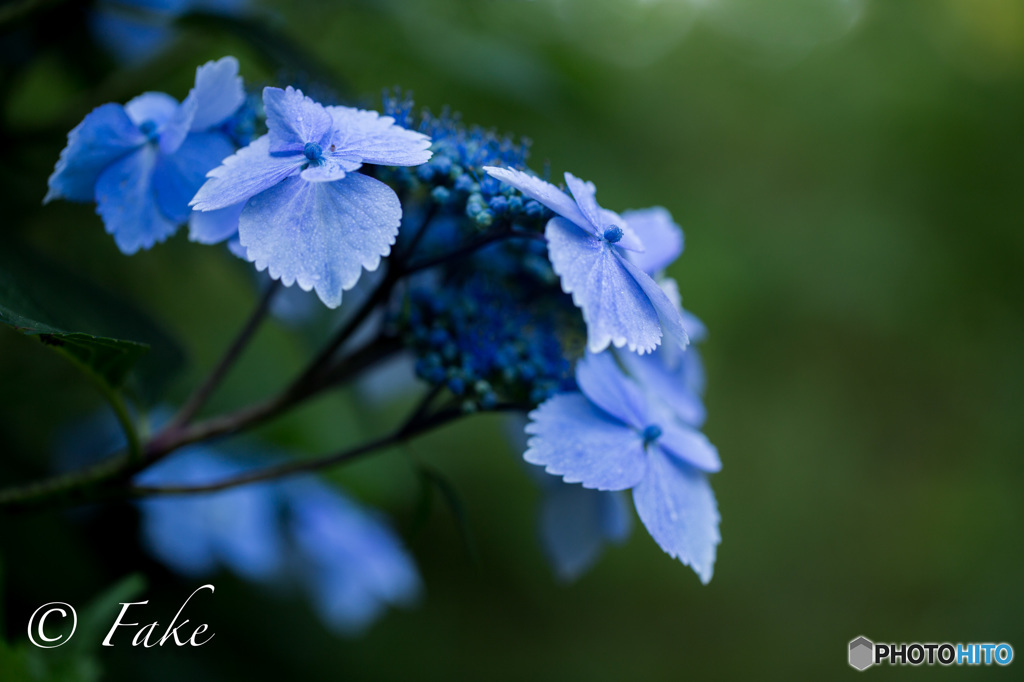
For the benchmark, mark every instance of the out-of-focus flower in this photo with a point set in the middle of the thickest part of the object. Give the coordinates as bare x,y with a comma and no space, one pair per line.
142,162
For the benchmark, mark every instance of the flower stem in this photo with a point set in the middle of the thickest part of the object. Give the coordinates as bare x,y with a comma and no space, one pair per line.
234,351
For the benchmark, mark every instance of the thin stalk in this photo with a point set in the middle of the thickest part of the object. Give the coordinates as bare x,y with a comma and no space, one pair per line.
234,351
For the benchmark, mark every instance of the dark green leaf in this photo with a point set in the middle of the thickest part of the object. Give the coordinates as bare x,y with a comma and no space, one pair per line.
84,323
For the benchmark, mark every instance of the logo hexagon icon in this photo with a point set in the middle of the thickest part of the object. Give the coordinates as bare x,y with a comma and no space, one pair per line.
862,652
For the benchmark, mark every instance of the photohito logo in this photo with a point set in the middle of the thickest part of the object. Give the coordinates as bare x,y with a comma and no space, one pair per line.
864,653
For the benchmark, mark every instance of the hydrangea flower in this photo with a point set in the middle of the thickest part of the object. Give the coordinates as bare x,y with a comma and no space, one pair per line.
354,563
588,247
196,534
142,162
306,215
613,435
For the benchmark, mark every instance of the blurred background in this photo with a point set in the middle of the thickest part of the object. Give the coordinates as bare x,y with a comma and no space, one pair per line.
848,175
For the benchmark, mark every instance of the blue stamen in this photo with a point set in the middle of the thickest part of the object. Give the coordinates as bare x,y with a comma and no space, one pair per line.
313,152
651,434
612,234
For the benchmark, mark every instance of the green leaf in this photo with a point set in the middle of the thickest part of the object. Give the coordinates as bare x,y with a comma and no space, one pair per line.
84,323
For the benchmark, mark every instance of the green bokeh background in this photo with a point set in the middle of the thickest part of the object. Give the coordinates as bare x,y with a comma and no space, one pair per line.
848,175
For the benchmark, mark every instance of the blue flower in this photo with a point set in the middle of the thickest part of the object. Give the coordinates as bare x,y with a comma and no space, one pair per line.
588,248
355,564
142,162
615,436
196,534
307,216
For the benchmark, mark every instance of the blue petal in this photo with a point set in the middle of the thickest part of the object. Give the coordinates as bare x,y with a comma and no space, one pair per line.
104,135
355,562
176,128
617,310
328,171
583,192
667,383
245,174
155,107
669,313
601,380
218,92
127,203
689,445
238,528
574,439
662,238
544,192
294,119
321,234
243,524
376,139
676,504
179,176
575,523
174,531
213,227
695,329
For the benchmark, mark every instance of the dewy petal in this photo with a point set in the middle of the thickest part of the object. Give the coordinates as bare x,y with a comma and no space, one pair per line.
246,173
616,308
601,380
127,203
666,383
179,176
544,192
669,314
574,439
583,192
328,171
321,234
105,135
157,107
662,238
676,504
218,92
294,119
213,227
689,445
575,523
377,139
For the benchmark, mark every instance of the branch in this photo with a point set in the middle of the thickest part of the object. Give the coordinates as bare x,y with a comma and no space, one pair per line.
202,394
415,426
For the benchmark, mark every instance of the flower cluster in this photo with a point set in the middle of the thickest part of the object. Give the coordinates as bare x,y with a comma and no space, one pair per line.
509,292
301,531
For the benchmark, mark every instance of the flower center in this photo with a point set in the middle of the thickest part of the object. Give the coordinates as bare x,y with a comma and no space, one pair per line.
651,434
148,128
313,152
612,234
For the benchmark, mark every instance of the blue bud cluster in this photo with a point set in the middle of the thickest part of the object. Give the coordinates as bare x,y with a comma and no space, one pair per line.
455,173
488,343
493,327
